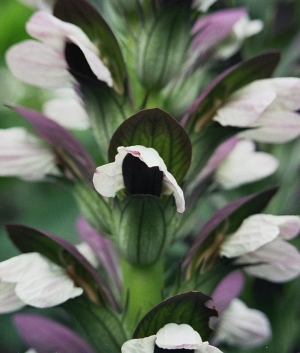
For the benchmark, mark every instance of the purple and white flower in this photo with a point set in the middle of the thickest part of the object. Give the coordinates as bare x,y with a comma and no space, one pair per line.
260,242
108,179
171,336
34,280
241,326
44,63
268,107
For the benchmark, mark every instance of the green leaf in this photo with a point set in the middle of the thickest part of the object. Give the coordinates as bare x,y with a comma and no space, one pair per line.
157,129
85,16
101,326
211,99
107,110
163,46
144,227
186,308
64,254
93,207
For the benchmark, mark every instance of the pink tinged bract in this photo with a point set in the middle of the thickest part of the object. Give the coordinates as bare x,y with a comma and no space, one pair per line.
244,165
108,179
25,156
171,336
242,326
48,58
39,282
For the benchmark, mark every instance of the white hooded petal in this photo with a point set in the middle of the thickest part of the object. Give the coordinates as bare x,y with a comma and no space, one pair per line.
108,179
55,33
268,95
242,326
142,345
274,126
25,156
244,107
39,282
39,65
173,336
9,301
289,226
277,261
244,165
287,92
254,232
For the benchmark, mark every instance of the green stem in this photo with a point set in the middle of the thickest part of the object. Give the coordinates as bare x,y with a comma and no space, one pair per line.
142,286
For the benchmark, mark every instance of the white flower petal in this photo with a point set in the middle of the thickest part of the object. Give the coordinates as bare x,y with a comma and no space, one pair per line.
68,112
244,165
173,336
39,65
47,288
244,107
142,345
25,156
9,301
254,232
108,179
280,262
289,226
39,282
21,267
287,92
55,33
242,326
274,126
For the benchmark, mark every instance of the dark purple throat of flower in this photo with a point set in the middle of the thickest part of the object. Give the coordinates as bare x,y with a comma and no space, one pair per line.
77,62
139,178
